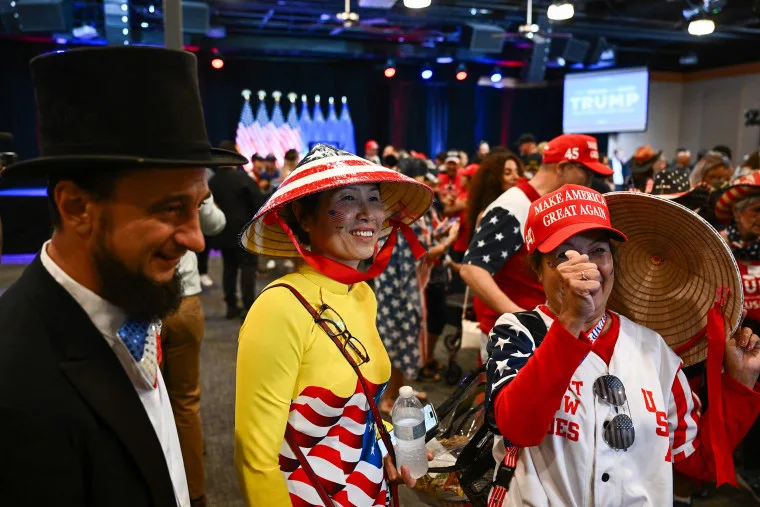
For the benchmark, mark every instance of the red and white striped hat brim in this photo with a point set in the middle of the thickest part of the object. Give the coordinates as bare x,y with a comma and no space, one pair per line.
326,168
743,187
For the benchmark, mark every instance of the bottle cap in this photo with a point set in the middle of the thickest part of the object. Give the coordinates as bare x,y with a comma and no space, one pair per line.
406,392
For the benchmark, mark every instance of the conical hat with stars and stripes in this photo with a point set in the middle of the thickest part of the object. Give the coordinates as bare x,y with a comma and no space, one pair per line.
325,168
741,189
669,272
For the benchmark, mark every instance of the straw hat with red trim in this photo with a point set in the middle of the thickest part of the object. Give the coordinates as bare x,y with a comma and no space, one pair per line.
326,168
668,275
741,189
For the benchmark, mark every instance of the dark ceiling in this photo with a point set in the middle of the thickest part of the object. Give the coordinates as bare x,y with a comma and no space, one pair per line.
642,32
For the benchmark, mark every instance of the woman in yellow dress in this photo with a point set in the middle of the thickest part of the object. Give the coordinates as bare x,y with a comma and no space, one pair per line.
305,433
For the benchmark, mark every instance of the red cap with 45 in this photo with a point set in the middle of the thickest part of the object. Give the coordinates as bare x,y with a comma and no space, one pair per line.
578,148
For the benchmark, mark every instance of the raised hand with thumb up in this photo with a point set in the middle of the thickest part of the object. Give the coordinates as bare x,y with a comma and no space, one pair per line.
580,280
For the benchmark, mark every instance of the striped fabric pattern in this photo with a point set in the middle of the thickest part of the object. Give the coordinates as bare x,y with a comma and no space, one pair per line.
743,187
325,168
338,437
245,142
688,411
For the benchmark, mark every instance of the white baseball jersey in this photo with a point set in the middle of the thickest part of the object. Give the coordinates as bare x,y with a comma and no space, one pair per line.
566,461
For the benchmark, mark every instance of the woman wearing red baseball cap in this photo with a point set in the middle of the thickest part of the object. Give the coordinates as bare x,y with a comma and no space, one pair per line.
596,402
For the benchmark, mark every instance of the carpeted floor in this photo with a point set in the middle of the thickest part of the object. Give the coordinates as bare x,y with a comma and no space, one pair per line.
218,400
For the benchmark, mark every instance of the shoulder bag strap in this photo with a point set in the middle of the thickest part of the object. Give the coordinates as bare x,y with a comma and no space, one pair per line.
310,473
367,393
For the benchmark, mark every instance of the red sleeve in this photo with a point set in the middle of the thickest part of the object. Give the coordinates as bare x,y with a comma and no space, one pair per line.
524,408
742,406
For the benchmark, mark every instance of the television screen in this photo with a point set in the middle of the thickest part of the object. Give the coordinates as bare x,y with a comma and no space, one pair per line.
609,101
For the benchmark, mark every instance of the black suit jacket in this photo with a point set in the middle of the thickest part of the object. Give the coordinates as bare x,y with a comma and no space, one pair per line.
73,431
238,195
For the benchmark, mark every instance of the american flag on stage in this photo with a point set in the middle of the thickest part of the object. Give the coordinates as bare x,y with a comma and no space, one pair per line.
339,439
296,139
305,123
280,141
347,129
332,127
318,123
244,137
260,133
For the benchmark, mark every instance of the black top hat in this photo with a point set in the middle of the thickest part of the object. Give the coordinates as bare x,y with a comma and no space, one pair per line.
119,108
6,142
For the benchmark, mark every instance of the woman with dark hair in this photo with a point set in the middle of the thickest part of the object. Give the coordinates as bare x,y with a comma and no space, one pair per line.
311,366
499,171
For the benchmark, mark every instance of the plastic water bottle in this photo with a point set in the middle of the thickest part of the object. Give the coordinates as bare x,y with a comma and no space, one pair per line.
409,429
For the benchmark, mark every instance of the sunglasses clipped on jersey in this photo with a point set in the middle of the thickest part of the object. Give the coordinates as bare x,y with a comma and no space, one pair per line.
618,431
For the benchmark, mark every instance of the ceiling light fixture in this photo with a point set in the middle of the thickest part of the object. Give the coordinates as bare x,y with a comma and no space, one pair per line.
444,59
560,11
416,4
461,74
700,27
390,69
690,58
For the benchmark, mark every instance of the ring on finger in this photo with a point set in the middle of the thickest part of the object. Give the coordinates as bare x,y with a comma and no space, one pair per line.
583,276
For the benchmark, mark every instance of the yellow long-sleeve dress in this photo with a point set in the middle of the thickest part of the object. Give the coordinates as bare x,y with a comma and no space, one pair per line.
289,372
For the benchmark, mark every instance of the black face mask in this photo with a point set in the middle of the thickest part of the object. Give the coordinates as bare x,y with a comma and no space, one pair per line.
137,295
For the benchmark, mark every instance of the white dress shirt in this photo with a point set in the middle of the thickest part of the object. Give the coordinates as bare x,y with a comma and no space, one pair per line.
108,318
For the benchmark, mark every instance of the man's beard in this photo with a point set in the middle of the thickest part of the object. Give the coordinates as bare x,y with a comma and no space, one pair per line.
137,295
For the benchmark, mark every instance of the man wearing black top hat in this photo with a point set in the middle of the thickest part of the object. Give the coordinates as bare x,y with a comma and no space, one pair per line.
84,414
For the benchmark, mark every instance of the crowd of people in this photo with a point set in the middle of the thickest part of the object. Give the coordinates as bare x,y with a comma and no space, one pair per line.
474,235
100,349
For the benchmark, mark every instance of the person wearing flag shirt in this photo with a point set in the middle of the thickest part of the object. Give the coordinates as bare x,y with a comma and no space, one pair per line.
739,208
85,416
494,265
599,406
296,392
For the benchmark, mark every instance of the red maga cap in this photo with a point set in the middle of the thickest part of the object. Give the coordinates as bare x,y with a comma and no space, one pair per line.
570,210
371,145
576,148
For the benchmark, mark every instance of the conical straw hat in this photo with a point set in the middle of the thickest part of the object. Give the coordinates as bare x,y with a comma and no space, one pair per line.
668,273
324,168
